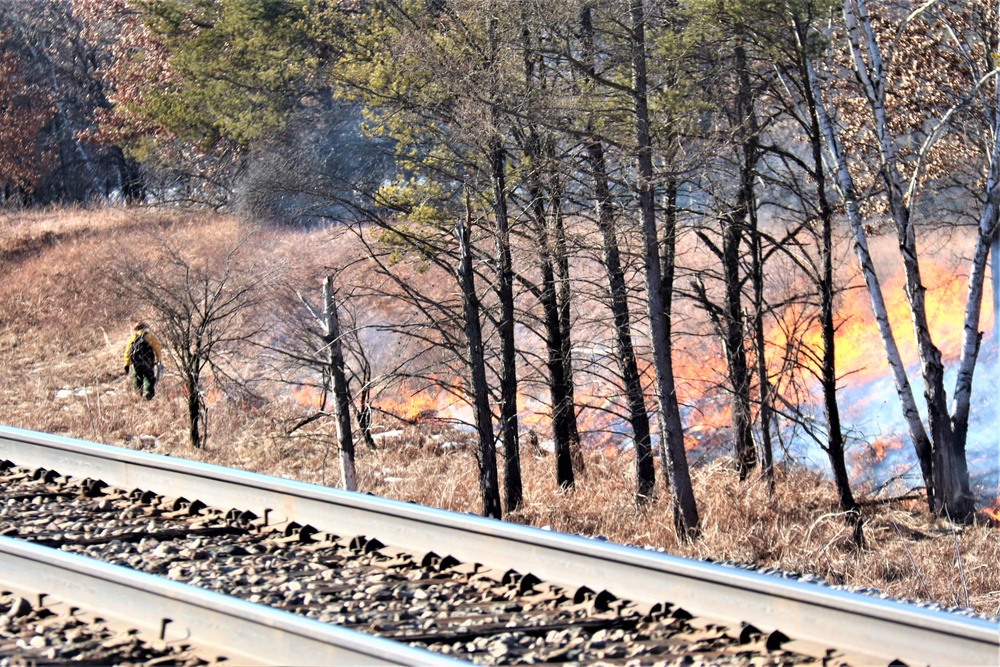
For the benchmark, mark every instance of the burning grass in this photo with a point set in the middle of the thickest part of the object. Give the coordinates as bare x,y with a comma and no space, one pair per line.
63,323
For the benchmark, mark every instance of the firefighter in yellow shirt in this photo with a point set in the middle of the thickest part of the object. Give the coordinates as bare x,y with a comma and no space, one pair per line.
144,354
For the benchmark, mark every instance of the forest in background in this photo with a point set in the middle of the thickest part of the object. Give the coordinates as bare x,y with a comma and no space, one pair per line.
689,170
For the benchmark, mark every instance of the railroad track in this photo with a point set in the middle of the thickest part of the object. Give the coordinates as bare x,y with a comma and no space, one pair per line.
459,585
66,609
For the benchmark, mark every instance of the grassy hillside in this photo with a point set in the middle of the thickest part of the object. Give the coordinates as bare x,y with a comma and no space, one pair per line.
64,319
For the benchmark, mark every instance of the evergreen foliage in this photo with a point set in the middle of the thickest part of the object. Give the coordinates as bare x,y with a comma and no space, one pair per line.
697,126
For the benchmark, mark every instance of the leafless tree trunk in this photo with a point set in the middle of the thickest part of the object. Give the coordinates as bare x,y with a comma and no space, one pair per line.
625,351
563,414
203,315
942,455
363,405
947,460
645,481
744,215
749,139
341,390
733,344
332,353
508,349
564,294
988,237
871,75
505,294
679,477
738,232
763,379
824,282
555,320
486,455
845,182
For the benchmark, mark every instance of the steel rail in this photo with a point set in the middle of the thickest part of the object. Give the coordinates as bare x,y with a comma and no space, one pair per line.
878,630
161,609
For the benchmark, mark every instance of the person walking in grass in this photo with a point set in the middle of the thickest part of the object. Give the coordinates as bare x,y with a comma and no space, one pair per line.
144,354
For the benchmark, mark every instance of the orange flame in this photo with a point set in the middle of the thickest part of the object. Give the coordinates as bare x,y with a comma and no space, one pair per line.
700,371
308,395
859,347
865,460
860,355
425,404
992,514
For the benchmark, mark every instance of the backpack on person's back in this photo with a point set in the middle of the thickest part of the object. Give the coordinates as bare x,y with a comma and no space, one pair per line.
141,354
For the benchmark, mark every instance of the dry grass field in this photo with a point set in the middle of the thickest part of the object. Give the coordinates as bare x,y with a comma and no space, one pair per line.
64,319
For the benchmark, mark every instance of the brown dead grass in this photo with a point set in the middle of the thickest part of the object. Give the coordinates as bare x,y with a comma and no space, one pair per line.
63,323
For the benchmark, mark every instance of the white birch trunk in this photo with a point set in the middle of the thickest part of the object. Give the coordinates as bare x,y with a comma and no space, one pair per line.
950,473
845,184
996,284
988,234
971,335
862,37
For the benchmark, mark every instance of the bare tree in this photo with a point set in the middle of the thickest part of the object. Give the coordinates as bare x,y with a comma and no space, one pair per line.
685,509
901,171
486,452
206,310
645,480
57,70
804,109
332,352
543,213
